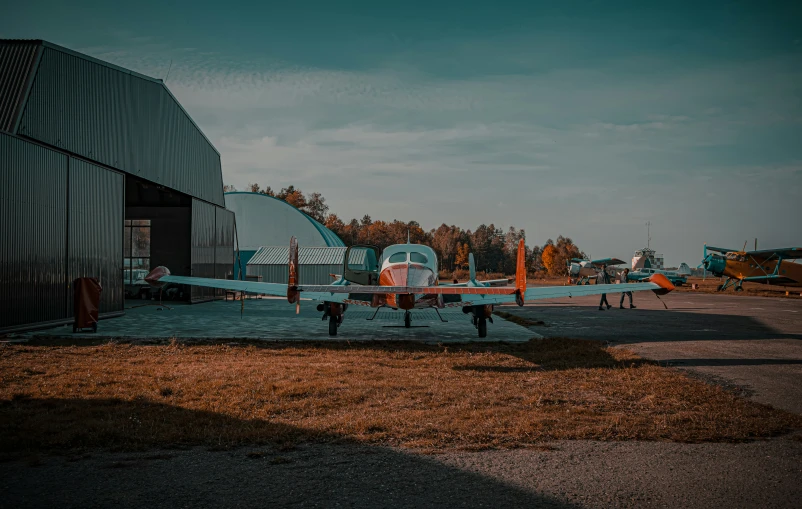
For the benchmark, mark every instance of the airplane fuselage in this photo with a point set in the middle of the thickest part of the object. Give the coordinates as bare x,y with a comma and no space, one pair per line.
741,267
409,265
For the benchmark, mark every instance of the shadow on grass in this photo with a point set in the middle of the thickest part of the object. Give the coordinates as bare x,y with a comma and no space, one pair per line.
557,353
360,475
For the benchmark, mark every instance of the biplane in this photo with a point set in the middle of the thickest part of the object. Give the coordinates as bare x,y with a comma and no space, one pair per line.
403,276
767,266
581,271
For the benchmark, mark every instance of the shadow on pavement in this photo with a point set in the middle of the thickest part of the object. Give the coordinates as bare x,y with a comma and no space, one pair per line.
729,362
326,471
643,325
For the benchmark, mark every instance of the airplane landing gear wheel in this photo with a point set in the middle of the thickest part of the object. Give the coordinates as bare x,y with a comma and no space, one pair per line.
739,288
482,326
719,288
407,320
332,325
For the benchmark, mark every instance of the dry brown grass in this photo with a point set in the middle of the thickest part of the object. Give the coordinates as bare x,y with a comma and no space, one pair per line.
124,396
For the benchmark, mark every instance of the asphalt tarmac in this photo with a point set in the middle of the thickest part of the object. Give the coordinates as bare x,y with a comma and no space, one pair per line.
753,344
561,474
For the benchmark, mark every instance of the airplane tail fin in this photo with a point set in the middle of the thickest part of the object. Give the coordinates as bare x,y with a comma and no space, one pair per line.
472,270
293,295
520,274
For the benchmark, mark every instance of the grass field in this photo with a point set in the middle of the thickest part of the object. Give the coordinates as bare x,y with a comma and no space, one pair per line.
124,396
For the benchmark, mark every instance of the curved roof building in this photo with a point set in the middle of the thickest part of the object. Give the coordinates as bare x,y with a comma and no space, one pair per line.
263,220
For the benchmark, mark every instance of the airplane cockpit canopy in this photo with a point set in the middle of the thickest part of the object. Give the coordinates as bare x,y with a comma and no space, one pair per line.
412,253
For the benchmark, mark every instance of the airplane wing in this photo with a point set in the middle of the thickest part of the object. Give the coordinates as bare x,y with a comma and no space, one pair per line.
277,289
477,294
556,292
788,253
721,249
607,261
347,293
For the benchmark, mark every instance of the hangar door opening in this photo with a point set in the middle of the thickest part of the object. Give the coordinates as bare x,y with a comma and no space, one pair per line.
164,227
156,232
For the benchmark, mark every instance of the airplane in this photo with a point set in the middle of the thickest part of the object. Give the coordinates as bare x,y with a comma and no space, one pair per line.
581,271
765,266
405,277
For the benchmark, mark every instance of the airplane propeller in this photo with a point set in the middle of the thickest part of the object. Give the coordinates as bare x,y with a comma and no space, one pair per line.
705,260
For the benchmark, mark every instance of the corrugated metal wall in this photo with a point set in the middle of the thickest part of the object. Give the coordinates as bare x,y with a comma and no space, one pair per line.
17,61
203,247
307,274
95,235
121,120
224,245
33,229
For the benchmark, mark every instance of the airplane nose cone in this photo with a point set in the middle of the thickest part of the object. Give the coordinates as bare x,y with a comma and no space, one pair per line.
715,264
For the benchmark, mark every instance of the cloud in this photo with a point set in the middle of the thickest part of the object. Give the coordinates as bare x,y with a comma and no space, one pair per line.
500,129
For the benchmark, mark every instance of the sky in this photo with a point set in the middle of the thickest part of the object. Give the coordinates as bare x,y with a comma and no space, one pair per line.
582,119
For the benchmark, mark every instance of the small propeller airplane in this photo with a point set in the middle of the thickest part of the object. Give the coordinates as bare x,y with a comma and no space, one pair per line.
405,277
581,271
765,266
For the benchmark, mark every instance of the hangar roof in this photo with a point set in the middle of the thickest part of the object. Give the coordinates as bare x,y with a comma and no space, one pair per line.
279,255
106,114
263,220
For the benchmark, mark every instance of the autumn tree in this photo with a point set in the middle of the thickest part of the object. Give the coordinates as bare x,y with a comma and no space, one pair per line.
316,207
549,259
335,224
228,188
566,249
463,250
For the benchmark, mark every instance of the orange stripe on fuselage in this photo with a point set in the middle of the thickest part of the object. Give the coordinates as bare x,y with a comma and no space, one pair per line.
406,275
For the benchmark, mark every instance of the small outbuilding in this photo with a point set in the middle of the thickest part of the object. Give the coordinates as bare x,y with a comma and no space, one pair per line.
316,264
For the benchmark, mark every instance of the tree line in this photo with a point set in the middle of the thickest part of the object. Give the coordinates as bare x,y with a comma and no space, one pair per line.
494,249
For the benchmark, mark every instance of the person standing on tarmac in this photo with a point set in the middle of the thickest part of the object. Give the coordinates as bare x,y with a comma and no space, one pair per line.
622,278
603,279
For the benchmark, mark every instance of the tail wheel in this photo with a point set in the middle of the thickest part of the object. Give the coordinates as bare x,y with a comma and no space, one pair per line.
482,326
407,320
332,325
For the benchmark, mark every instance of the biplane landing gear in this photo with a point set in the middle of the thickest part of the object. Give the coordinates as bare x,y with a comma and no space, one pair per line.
739,287
334,322
729,282
407,319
